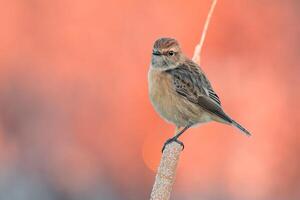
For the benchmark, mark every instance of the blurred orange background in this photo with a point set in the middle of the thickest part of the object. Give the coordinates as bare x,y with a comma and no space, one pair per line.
76,122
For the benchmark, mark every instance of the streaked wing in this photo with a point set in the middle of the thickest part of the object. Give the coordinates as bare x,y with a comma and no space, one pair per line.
192,84
214,96
211,107
188,77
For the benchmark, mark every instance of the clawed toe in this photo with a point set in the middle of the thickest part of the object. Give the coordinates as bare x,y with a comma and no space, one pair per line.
170,140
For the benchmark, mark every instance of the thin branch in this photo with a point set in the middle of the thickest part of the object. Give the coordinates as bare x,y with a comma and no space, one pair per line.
166,173
198,48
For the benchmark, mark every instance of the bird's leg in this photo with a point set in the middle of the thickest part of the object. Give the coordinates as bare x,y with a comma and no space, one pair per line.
175,138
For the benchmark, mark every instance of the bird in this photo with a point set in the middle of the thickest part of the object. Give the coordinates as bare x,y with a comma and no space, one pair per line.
180,92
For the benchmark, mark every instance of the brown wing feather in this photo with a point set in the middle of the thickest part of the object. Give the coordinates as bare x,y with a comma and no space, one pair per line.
192,84
200,80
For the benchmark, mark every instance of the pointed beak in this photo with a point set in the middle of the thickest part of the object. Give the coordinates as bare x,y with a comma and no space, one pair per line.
157,53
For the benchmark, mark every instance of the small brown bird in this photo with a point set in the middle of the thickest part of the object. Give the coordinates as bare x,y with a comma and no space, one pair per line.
180,91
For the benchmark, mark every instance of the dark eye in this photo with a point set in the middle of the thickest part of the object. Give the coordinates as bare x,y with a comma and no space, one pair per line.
171,53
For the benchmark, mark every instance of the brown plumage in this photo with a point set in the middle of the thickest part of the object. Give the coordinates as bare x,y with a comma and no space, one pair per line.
180,91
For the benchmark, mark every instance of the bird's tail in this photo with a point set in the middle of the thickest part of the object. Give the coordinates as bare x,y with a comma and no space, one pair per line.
237,125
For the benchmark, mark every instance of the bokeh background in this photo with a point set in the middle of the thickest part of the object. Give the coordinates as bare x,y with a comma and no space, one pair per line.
76,122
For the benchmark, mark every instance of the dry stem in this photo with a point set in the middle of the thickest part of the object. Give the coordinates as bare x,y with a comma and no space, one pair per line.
166,172
198,48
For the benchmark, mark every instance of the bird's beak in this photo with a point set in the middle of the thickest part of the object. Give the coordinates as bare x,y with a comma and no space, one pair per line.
157,53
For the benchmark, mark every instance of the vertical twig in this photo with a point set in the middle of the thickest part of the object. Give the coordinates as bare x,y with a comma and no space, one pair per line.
165,176
198,48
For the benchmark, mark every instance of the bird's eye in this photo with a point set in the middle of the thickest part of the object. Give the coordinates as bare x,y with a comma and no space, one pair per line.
171,53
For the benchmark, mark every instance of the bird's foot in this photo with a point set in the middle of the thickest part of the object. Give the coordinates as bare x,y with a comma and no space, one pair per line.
170,140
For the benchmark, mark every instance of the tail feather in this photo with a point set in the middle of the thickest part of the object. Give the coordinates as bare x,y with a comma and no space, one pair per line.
237,125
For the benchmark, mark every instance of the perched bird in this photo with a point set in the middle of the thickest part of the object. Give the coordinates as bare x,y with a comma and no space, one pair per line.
180,91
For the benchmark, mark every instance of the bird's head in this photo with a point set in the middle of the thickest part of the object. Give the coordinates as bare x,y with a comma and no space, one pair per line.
166,54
